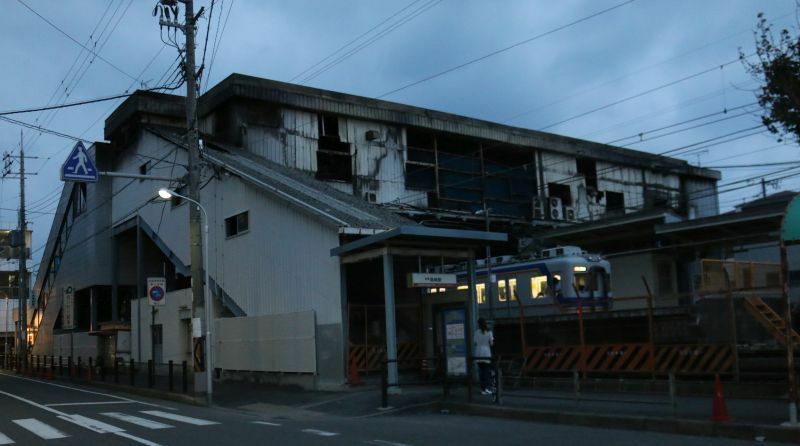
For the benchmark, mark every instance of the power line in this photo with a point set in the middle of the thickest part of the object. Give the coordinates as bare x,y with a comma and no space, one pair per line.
502,50
319,62
120,70
411,16
74,104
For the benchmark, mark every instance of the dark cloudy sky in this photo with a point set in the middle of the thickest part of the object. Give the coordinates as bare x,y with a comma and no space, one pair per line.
567,81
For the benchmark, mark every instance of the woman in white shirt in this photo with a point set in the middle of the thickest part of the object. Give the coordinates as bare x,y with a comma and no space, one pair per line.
483,340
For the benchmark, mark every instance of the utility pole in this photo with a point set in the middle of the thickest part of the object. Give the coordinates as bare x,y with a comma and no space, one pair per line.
23,267
18,240
201,344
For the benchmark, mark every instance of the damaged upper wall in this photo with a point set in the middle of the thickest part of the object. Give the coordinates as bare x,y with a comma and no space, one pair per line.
412,158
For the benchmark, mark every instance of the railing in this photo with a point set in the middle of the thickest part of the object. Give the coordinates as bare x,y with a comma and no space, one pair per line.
170,376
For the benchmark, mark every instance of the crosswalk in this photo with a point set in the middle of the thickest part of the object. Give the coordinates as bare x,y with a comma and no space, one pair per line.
51,429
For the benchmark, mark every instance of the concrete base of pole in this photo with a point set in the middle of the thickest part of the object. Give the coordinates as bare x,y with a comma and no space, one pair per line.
394,390
792,416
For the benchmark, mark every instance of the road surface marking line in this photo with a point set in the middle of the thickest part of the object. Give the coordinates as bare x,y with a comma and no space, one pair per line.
91,424
320,433
176,417
32,403
88,391
386,443
136,439
139,421
89,403
266,423
40,429
5,440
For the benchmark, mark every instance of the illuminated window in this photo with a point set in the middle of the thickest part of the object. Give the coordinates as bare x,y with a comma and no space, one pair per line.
512,289
501,291
481,292
538,286
463,287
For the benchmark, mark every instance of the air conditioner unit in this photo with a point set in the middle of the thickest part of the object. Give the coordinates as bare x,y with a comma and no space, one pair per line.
569,213
555,210
538,208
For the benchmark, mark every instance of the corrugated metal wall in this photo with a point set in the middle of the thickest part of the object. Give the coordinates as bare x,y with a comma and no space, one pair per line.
282,263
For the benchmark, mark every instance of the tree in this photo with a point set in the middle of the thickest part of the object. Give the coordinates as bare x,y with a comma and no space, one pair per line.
777,69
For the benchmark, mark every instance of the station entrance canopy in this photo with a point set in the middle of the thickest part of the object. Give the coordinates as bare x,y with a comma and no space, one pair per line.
418,241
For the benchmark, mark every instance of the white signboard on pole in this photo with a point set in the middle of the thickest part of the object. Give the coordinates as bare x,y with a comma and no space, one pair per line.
431,280
68,308
156,290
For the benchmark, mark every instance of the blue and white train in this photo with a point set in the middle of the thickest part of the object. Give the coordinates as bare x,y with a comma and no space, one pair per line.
559,278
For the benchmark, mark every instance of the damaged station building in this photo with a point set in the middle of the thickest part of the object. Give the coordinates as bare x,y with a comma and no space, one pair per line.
320,206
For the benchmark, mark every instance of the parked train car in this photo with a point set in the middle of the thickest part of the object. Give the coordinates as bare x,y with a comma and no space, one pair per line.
559,279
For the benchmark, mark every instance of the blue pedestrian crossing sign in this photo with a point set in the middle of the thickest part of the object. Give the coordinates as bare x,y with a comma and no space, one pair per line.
79,166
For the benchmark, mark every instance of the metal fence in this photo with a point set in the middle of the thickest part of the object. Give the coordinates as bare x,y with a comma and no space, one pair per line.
169,377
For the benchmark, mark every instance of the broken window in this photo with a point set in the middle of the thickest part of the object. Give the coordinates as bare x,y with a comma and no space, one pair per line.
588,168
333,155
421,160
615,202
237,224
561,191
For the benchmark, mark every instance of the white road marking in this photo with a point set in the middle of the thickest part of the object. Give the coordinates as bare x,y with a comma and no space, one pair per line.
58,412
266,423
181,418
385,443
40,429
91,424
90,403
139,421
87,391
5,440
136,439
320,433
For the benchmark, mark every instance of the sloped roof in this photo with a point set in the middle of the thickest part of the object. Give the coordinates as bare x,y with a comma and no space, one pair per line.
295,187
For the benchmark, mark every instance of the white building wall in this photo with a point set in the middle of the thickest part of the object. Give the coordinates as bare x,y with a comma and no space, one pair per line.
616,178
282,264
132,196
175,320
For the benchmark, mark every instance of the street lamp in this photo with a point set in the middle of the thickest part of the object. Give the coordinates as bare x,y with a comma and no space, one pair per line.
167,194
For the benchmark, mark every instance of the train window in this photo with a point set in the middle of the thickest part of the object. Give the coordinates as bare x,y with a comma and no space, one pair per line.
512,289
501,291
481,292
463,287
538,286
582,284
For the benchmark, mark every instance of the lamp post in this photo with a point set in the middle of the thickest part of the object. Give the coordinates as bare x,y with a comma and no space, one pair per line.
167,194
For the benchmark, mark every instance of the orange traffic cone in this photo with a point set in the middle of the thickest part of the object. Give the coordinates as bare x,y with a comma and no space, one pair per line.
719,411
353,378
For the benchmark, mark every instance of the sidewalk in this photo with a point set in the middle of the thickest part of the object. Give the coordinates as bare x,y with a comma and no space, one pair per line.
750,417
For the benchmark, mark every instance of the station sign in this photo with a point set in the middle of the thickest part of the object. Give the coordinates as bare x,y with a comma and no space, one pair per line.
432,280
156,291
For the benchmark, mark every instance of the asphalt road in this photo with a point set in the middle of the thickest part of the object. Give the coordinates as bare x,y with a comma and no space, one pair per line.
38,412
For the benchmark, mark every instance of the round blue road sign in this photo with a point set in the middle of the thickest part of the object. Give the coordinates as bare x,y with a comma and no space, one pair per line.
156,293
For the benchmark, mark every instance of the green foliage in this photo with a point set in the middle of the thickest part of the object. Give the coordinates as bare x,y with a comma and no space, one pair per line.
777,68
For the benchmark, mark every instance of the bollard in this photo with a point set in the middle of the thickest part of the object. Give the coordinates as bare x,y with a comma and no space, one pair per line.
69,366
90,369
673,393
576,386
116,370
498,390
385,387
133,374
184,377
79,371
170,376
60,366
150,373
101,364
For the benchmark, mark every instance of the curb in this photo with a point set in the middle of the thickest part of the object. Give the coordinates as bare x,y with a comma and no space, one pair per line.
651,424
